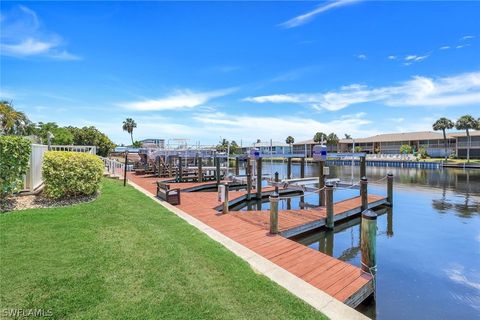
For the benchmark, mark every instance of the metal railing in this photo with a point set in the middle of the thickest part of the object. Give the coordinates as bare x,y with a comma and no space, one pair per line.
87,149
113,166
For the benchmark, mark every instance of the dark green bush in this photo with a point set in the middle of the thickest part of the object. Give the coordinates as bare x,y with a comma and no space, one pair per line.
71,174
14,159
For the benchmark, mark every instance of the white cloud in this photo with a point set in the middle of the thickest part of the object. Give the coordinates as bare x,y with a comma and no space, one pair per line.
250,128
180,99
415,58
307,17
462,46
466,38
463,89
392,57
444,47
362,56
23,36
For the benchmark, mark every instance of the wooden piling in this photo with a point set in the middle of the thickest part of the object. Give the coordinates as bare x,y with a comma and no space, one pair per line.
237,166
390,188
180,170
289,168
217,170
276,182
259,178
274,213
390,222
225,198
200,169
125,169
302,167
170,166
364,192
329,202
249,180
321,184
159,165
329,235
368,241
363,167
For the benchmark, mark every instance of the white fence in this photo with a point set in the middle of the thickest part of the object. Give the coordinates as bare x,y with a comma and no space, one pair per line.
33,179
113,166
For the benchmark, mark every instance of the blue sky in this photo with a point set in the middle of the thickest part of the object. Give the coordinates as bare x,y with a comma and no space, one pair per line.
242,70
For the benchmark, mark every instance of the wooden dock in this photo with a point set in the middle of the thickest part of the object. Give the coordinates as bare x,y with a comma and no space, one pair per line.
339,279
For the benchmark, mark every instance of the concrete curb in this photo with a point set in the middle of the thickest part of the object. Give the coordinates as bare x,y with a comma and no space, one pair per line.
326,304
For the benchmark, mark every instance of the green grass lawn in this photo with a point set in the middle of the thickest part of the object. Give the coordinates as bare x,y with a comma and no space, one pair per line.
124,256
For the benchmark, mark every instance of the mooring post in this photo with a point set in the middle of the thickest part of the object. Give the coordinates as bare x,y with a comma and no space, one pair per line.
249,180
368,241
276,182
125,169
225,198
390,222
364,193
274,213
390,188
329,201
302,167
321,184
289,168
259,178
170,166
200,169
329,235
180,170
217,169
237,166
363,167
159,163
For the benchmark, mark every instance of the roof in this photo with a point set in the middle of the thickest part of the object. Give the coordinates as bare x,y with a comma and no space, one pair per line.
274,144
401,136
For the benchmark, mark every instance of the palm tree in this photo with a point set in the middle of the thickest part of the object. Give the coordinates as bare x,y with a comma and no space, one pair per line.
319,136
466,123
347,136
13,122
443,124
332,140
128,125
290,140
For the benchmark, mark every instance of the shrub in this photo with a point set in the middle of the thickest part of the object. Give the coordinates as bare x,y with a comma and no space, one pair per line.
405,149
14,159
71,174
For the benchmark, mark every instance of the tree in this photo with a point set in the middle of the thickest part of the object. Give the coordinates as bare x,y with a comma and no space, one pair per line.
358,149
443,124
234,147
137,144
91,136
319,136
466,123
222,146
128,125
61,136
13,122
290,140
405,149
347,136
332,140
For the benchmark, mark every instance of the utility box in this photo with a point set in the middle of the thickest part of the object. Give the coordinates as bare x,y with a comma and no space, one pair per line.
326,171
221,193
319,152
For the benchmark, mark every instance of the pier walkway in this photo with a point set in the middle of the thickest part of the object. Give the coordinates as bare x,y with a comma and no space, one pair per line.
339,279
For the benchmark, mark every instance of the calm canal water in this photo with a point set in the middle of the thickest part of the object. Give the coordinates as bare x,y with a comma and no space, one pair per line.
428,244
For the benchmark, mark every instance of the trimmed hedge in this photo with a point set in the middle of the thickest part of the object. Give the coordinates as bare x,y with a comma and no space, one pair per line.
14,159
71,174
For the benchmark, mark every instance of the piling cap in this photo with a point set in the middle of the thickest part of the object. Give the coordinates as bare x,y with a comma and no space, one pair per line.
364,179
329,184
274,195
390,174
369,214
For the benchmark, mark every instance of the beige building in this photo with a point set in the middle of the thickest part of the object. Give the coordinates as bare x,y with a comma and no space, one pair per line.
390,143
